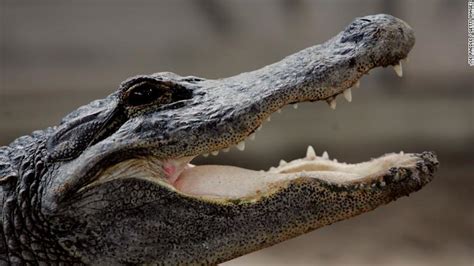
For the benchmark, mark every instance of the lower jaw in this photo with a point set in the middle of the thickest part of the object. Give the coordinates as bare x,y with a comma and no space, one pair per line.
230,182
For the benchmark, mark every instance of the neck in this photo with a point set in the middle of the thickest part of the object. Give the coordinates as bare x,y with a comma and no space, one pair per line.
25,233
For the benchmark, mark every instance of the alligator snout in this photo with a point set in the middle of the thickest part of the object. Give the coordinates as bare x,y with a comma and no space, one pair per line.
238,105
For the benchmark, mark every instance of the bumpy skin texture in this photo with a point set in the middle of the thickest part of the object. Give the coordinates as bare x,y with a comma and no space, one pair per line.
52,214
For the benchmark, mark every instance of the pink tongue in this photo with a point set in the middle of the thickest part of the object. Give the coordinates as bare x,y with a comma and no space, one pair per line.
174,168
171,173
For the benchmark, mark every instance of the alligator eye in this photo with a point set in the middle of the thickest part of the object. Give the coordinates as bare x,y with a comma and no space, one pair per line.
144,93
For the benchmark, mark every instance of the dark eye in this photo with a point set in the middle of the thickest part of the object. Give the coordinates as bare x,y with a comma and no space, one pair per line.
143,93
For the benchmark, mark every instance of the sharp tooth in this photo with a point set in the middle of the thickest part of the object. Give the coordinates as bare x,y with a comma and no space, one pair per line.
279,111
269,118
325,155
252,136
295,106
215,153
334,160
398,69
348,95
332,103
282,162
259,127
226,149
310,153
401,152
205,154
241,146
357,84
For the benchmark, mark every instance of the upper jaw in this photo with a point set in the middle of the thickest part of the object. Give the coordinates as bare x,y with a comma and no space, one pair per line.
231,109
226,111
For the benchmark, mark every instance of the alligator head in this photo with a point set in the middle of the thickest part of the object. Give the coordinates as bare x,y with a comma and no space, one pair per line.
121,187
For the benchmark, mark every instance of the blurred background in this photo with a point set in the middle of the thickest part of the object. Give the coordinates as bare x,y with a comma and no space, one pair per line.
58,55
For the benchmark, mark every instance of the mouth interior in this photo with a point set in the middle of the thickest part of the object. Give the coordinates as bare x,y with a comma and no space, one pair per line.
219,181
230,182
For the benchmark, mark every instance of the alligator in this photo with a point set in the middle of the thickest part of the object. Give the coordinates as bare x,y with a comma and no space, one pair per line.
113,183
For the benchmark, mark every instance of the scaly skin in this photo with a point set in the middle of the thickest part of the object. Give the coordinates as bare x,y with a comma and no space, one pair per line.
59,207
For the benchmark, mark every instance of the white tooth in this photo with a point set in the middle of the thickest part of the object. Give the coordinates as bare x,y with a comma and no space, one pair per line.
310,153
325,155
332,103
334,160
398,69
226,149
259,127
279,111
205,154
252,136
269,118
295,106
348,95
215,153
357,84
241,146
401,152
282,162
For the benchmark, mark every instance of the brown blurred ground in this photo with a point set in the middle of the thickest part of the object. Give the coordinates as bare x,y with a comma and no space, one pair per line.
58,55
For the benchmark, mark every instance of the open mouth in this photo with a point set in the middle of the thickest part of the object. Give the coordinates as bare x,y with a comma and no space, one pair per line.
230,182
